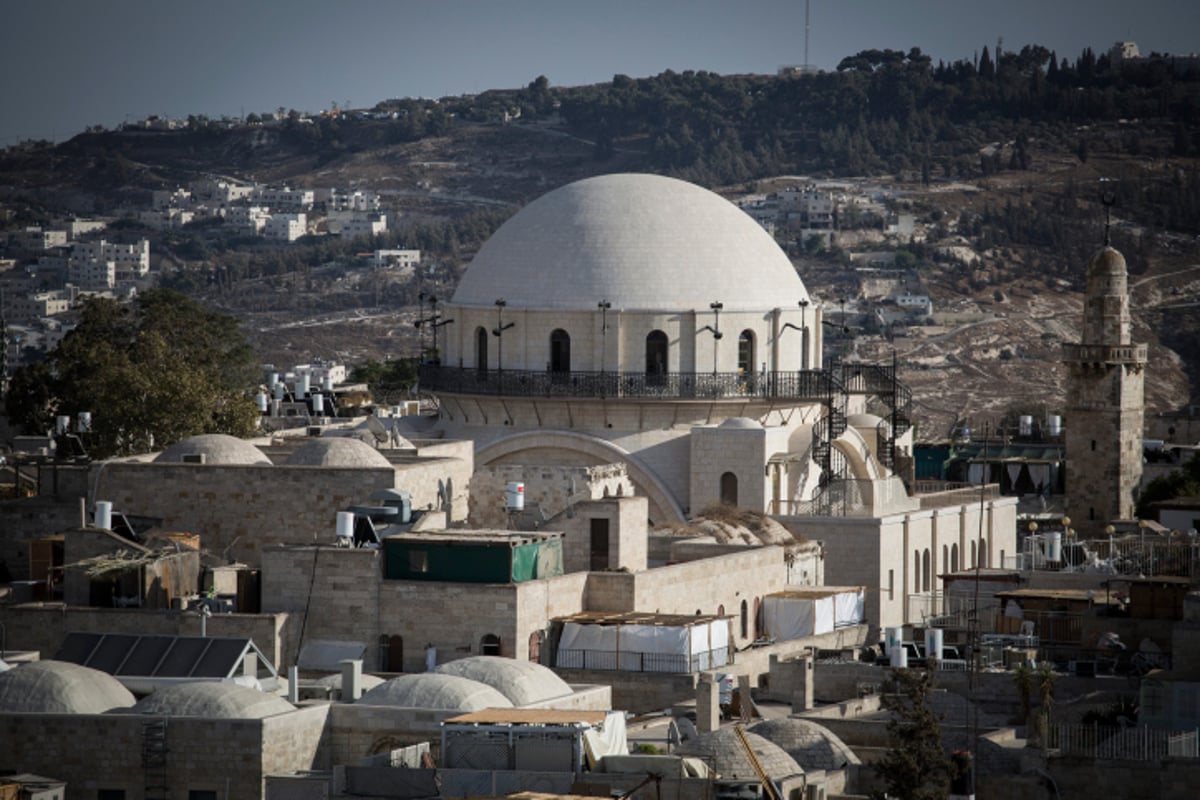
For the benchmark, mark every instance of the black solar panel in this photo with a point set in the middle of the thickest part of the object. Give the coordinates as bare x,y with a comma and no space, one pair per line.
182,658
148,651
154,656
221,659
76,647
112,652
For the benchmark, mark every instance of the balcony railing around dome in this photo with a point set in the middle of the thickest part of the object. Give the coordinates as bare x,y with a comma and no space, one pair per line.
817,385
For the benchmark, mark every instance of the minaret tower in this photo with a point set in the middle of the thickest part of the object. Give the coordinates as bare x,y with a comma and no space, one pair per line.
1105,401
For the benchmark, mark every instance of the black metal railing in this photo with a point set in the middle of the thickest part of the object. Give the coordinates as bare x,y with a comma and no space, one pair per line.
815,385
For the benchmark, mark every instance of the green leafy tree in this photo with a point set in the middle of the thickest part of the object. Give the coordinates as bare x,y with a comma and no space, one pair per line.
915,766
151,374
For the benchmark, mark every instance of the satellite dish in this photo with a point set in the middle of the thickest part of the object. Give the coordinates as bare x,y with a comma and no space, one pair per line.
378,430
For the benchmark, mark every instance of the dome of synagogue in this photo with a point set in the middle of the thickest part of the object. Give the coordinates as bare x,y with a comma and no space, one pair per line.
522,682
209,700
743,423
430,690
813,746
217,448
337,451
642,242
59,687
724,751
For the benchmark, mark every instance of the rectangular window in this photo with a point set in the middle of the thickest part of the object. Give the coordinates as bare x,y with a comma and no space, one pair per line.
202,794
891,584
110,794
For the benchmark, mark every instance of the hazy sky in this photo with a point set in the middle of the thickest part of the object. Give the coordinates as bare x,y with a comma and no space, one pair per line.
66,64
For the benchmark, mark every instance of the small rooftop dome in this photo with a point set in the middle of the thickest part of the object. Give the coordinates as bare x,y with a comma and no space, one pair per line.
867,421
57,687
1107,261
813,746
217,448
522,682
212,701
744,423
337,451
724,751
430,690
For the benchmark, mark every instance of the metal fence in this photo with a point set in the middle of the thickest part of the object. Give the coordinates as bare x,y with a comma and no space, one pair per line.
635,661
1116,557
1130,744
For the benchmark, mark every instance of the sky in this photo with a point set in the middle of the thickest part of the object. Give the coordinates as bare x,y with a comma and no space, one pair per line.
69,64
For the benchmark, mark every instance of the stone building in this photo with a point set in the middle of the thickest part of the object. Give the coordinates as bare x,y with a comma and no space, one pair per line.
1105,402
641,320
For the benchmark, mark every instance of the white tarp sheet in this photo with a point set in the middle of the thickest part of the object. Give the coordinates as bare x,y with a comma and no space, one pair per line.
797,617
848,608
610,740
644,648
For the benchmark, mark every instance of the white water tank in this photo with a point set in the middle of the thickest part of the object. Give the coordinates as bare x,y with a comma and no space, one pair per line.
272,380
891,639
345,527
514,496
261,400
1054,550
327,385
898,658
62,424
1055,425
1025,425
280,390
318,404
934,639
104,515
83,422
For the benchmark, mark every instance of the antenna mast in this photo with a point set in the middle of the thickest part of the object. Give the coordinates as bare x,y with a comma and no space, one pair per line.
806,5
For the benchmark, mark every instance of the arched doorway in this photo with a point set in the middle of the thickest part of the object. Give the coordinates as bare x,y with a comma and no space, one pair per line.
489,645
925,571
656,356
481,348
954,558
560,351
729,489
745,362
535,647
391,653
745,621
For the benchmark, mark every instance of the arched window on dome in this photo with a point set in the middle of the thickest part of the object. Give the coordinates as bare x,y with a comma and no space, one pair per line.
729,489
481,345
489,645
560,351
745,363
656,356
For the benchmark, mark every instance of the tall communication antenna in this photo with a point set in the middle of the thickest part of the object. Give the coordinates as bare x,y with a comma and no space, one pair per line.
806,5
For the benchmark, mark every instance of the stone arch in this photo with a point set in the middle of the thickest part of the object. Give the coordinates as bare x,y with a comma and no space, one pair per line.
645,479
854,447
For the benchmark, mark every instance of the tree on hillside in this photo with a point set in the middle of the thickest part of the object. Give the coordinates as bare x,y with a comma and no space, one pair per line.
151,374
915,766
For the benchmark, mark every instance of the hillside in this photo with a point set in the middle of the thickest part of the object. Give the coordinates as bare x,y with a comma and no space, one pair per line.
1007,169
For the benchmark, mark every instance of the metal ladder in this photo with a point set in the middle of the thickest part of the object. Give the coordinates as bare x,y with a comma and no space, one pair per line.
768,785
154,760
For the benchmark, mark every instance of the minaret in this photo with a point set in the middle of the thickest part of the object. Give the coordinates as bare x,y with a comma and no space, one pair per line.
1105,402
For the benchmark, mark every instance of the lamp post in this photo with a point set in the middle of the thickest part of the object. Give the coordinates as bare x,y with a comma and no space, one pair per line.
604,306
803,335
716,332
422,321
498,332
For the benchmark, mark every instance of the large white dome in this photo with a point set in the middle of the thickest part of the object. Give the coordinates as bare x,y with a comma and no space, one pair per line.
642,242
